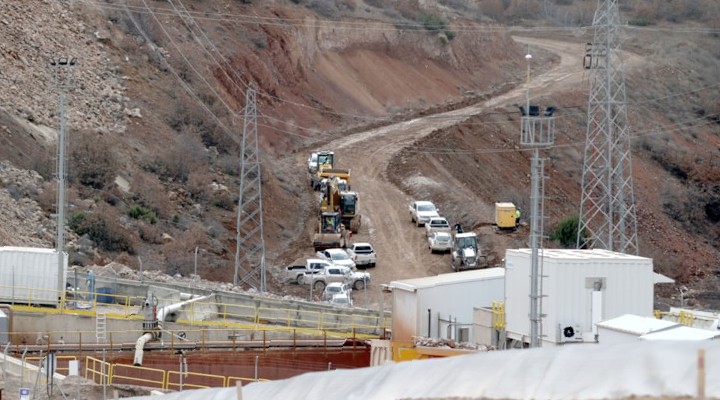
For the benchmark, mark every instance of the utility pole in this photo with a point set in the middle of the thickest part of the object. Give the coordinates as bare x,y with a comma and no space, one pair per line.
537,131
250,251
607,204
63,69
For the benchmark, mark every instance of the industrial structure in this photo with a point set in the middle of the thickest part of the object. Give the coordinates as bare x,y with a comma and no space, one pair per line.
537,131
441,306
582,288
250,250
607,205
63,69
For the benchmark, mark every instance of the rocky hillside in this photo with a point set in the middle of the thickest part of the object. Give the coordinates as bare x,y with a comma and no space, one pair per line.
155,117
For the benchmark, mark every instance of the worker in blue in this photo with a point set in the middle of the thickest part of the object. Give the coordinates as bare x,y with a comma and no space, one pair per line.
91,285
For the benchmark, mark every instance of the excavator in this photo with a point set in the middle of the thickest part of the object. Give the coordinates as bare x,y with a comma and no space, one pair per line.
331,232
338,198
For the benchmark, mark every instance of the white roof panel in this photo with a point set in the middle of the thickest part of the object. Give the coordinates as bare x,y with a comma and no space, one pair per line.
682,333
636,324
575,254
447,279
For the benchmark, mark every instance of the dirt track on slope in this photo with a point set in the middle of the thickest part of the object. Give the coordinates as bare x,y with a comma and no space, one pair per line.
401,247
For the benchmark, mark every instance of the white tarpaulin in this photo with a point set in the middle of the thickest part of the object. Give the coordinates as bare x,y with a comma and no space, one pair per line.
578,371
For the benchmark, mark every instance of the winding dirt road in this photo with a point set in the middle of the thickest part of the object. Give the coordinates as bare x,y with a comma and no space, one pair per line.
401,247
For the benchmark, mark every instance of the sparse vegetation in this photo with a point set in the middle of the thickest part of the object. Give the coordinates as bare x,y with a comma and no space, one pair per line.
102,231
92,162
139,212
566,232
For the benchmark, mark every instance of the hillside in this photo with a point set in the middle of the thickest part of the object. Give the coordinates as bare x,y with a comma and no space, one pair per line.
155,120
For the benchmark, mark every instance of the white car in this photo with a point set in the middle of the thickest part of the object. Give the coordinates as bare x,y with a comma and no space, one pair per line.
335,288
422,211
439,241
437,224
363,254
341,299
337,257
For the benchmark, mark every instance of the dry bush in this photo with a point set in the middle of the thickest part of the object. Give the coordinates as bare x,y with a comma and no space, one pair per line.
198,184
92,162
523,9
180,253
493,9
151,193
180,158
102,228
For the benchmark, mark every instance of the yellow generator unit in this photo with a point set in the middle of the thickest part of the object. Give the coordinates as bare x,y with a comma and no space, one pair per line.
505,215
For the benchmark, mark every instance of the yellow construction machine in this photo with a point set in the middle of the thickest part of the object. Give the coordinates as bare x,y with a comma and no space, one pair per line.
336,197
331,232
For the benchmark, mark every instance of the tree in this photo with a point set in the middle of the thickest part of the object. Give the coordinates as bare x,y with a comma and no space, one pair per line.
566,232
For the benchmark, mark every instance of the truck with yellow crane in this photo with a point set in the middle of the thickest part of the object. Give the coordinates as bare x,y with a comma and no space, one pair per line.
337,198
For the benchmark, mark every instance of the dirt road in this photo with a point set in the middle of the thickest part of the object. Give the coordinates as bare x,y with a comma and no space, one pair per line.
401,247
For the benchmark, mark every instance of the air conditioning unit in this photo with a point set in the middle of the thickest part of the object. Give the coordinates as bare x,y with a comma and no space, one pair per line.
569,333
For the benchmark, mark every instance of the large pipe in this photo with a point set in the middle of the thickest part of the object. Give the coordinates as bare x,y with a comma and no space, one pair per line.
161,315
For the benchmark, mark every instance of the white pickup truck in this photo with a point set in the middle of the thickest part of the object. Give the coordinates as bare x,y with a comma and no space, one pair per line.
336,273
363,254
422,211
296,273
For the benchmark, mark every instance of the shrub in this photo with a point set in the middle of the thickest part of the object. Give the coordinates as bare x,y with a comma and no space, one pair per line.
100,230
432,22
640,21
92,162
566,232
139,212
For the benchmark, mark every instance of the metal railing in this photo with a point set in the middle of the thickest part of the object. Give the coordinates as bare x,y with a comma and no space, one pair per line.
116,373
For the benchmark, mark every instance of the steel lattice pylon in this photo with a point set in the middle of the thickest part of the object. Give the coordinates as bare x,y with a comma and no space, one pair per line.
607,204
250,252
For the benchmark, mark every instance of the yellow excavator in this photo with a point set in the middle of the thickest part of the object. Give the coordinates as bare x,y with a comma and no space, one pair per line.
337,198
331,232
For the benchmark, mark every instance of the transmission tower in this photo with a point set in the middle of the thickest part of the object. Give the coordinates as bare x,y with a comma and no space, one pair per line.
607,203
537,131
250,252
62,69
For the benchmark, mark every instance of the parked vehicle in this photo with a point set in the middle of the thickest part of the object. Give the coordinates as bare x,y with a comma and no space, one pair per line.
337,257
331,273
363,254
335,288
439,241
466,252
312,162
422,211
437,224
296,273
337,273
342,299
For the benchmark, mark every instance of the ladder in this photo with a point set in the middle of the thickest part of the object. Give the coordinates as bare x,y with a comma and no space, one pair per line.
101,327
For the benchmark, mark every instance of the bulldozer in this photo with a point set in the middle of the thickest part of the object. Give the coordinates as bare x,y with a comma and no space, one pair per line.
331,232
338,198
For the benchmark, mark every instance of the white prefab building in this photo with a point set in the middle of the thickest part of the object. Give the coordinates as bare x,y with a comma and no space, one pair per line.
442,306
628,328
31,275
580,288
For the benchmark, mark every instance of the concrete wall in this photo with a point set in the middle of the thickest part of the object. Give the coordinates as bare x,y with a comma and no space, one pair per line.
243,311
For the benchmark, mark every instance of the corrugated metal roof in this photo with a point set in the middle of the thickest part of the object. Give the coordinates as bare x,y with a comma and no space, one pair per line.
636,324
451,278
575,254
682,333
